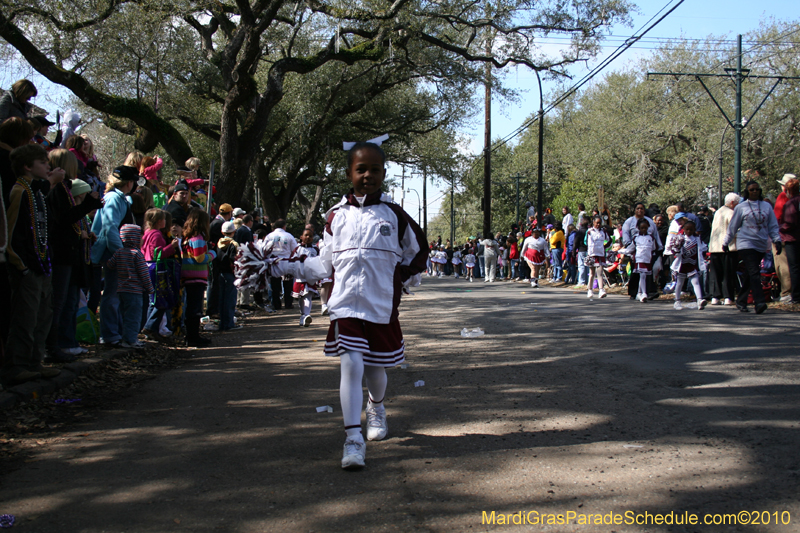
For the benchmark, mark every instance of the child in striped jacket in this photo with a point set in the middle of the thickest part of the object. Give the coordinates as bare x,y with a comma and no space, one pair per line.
133,279
196,256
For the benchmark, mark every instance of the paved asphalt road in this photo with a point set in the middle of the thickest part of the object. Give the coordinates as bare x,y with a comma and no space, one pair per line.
565,406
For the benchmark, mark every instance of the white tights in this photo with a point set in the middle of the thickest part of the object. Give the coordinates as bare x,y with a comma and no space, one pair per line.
305,305
643,282
694,280
351,392
596,271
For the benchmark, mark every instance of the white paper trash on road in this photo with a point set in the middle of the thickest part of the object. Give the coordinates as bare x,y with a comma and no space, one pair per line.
325,409
469,333
419,383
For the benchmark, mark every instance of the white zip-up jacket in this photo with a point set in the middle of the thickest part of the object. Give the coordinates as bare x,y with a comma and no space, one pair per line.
370,251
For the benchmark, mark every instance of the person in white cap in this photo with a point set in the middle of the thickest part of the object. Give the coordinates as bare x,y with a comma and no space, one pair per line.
227,248
239,212
781,261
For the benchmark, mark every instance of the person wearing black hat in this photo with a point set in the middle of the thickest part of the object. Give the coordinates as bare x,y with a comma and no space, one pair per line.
41,134
115,213
180,203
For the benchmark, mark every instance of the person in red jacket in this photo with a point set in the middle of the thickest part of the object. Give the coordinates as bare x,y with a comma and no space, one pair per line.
790,234
781,261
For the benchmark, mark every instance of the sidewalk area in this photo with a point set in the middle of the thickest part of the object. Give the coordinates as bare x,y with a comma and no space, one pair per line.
563,406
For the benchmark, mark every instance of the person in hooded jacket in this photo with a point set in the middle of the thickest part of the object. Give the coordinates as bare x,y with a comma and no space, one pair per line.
133,279
69,126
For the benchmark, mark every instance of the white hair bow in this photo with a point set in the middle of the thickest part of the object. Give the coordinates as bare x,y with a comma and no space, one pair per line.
377,140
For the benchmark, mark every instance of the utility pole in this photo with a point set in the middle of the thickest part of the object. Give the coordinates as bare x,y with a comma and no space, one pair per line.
738,74
425,202
517,178
487,161
403,187
540,167
452,212
721,143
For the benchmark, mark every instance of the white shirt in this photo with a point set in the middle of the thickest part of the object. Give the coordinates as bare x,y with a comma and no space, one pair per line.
283,244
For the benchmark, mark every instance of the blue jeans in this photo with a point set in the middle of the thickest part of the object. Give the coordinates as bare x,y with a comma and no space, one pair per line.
555,261
572,273
482,266
227,299
154,316
583,272
110,317
130,306
515,268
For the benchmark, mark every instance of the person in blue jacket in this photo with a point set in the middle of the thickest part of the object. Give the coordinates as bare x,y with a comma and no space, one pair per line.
115,213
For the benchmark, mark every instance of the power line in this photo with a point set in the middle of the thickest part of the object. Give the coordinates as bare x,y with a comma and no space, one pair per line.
759,44
699,95
596,70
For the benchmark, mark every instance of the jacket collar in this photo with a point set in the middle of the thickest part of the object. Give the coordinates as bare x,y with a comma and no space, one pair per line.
371,199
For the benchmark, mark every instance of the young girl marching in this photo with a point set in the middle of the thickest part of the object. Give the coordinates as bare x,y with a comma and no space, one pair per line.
469,263
456,263
689,261
597,240
372,248
301,290
534,250
440,259
642,249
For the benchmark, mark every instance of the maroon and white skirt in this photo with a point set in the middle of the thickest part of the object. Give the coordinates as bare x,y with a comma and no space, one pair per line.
535,257
300,289
381,344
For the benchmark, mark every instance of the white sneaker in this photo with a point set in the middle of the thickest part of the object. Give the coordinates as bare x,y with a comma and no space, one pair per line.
268,309
324,310
355,451
787,298
305,320
678,305
642,298
715,301
74,351
701,304
590,294
728,301
533,284
470,279
376,422
165,332
602,293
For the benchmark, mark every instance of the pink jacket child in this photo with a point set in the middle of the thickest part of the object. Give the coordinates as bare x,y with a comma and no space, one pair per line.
151,173
152,242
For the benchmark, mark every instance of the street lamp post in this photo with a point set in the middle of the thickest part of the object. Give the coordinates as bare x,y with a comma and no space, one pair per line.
419,205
